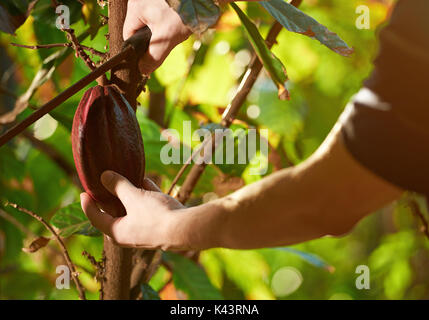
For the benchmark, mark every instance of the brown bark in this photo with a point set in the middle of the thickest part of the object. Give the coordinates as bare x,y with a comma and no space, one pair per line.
125,75
116,284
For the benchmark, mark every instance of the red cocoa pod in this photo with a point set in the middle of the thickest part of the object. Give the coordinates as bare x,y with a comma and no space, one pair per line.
106,136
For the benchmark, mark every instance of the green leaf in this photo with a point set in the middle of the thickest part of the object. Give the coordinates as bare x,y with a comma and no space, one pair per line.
297,21
198,15
190,278
44,11
14,13
71,220
271,63
237,159
148,292
91,15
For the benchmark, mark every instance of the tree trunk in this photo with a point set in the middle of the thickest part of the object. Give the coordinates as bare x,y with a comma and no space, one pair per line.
116,285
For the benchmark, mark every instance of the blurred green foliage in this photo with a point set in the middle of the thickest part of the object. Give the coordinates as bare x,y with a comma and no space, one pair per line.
321,82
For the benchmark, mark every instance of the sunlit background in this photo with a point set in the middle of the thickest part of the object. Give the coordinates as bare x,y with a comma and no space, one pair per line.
199,79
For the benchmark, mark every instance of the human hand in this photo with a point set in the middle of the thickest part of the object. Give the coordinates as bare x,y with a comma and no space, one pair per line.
149,219
167,28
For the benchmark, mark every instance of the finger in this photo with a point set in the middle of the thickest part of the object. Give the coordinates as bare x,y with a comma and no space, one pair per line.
102,221
150,185
119,186
159,48
148,64
132,21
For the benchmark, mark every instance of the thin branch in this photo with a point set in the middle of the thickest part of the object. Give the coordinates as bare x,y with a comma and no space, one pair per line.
104,20
90,258
30,234
94,51
60,45
17,224
415,209
66,255
41,46
99,269
78,48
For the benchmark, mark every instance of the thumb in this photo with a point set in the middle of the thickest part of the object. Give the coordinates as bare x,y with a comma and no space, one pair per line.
150,185
119,186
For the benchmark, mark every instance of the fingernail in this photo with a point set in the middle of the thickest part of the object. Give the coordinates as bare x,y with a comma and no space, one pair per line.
106,176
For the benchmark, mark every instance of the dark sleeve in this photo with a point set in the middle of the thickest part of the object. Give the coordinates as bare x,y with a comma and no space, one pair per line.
390,134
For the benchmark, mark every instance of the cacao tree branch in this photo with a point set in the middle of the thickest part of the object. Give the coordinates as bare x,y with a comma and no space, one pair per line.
59,45
99,269
78,48
74,273
116,285
17,224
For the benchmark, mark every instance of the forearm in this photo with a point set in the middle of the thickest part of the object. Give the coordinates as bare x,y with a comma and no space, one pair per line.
326,195
266,213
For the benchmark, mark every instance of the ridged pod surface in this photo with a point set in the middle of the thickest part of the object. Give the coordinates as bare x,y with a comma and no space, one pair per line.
106,136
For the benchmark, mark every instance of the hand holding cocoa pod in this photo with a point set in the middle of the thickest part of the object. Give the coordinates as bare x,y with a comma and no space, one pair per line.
106,136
